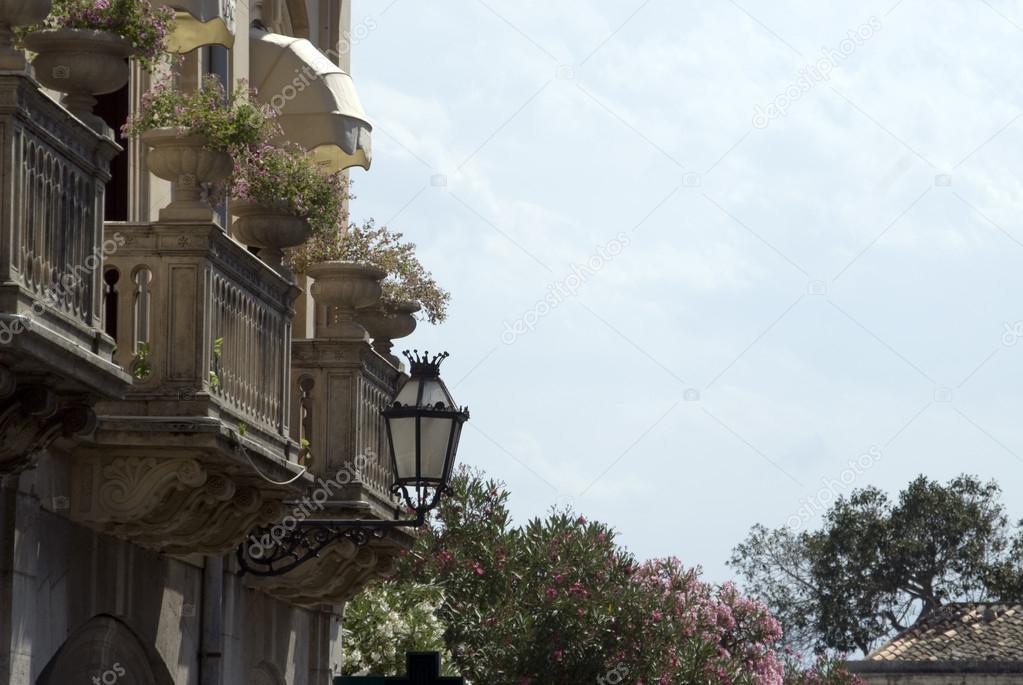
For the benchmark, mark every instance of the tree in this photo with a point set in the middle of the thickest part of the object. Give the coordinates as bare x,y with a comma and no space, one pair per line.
1005,576
557,600
779,573
380,626
877,566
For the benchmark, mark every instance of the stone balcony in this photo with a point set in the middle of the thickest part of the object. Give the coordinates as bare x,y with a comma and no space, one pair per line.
55,359
199,450
339,388
159,357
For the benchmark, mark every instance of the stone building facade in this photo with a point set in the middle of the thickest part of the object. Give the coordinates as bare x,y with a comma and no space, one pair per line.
124,496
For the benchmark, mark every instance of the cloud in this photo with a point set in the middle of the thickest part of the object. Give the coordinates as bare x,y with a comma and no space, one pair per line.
892,187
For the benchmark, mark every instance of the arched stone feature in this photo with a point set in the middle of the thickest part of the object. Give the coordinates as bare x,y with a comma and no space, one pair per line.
105,652
267,673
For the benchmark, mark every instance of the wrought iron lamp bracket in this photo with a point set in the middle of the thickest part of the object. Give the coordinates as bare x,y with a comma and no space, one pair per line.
276,550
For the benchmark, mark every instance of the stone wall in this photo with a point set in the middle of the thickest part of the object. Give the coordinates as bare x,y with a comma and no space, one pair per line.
180,621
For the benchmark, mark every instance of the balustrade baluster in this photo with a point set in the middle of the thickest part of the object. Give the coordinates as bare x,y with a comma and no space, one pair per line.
251,380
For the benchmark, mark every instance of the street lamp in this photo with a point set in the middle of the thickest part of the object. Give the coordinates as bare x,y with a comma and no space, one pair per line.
423,427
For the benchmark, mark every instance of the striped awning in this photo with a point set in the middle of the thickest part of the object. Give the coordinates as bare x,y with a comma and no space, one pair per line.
316,101
201,22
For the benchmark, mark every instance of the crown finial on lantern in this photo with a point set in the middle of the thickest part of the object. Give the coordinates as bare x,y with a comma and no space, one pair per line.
423,364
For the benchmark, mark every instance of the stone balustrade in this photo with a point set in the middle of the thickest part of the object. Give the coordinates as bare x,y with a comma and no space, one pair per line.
55,360
340,388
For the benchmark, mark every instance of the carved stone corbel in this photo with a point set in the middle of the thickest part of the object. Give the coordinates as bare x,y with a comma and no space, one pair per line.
130,488
31,418
224,526
340,572
174,505
173,515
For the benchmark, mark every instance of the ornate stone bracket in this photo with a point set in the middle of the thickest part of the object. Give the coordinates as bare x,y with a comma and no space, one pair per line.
338,574
31,418
175,505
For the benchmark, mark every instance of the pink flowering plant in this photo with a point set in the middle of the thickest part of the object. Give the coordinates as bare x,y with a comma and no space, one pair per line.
288,178
230,123
557,600
407,279
144,26
824,670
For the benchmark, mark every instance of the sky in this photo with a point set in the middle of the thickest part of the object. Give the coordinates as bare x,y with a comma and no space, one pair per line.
712,263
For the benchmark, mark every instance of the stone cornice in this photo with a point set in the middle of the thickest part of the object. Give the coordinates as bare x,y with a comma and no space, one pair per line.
978,666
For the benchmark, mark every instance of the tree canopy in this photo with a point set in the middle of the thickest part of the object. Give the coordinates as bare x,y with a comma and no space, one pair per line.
557,600
878,565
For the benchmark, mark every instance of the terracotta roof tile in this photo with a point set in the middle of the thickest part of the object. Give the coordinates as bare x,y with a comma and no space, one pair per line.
960,632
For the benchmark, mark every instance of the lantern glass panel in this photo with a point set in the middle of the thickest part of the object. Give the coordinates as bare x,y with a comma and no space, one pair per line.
409,393
403,435
453,451
433,392
436,432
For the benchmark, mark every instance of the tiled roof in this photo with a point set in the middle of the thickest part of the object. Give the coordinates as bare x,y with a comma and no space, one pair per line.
960,632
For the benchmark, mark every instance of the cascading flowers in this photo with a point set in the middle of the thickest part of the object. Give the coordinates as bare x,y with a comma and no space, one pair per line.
407,279
144,26
230,123
287,177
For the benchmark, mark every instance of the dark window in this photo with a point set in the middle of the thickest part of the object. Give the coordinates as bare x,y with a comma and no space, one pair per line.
110,278
113,108
218,63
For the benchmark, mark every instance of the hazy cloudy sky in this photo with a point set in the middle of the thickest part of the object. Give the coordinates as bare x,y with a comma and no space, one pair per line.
682,303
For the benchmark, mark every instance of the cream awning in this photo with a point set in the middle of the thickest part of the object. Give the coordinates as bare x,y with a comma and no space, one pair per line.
201,22
316,101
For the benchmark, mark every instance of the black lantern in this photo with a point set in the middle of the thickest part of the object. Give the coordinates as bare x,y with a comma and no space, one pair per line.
423,427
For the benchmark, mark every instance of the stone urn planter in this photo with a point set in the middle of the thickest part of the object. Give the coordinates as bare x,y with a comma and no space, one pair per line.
340,290
271,229
387,322
18,13
187,162
81,63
